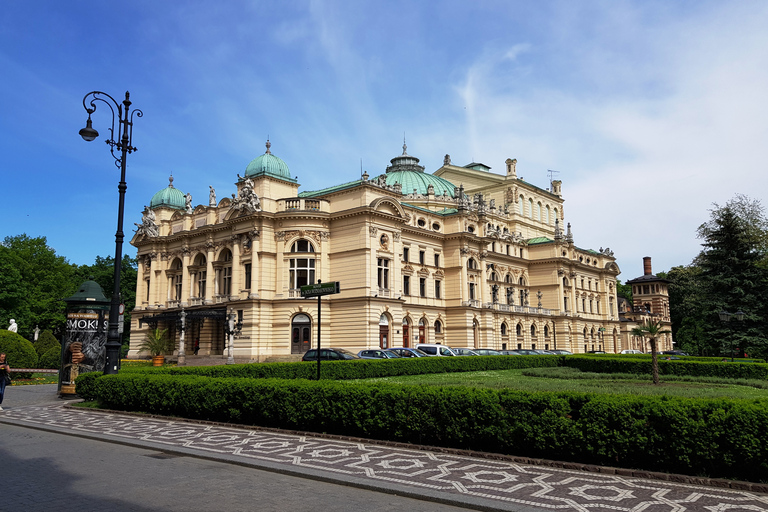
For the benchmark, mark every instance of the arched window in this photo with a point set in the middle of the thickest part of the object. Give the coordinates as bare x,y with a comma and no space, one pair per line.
492,276
546,216
546,331
301,272
302,246
471,264
406,332
438,327
224,273
519,329
538,212
508,279
530,208
175,275
533,330
199,275
384,331
422,330
503,329
521,204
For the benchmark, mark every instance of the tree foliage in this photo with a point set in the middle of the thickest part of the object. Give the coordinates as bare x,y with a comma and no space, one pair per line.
731,274
19,352
45,342
653,330
33,280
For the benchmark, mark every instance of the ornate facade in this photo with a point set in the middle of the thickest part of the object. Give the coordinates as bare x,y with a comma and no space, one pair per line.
650,302
418,259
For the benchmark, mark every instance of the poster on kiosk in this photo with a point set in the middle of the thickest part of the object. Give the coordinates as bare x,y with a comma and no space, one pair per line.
84,348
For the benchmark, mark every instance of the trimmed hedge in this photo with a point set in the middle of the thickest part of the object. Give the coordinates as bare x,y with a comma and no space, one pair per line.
619,364
359,369
718,437
19,352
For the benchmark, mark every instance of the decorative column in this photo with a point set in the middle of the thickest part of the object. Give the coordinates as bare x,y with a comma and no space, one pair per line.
254,234
234,293
185,288
152,281
210,275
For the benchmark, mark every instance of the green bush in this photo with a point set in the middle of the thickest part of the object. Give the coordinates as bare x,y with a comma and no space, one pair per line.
85,385
45,342
640,366
18,352
361,369
713,437
50,359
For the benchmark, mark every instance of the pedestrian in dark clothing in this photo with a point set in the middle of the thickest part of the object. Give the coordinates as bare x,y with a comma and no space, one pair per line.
5,377
197,346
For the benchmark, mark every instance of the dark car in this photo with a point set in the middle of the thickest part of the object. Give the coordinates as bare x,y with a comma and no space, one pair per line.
675,353
408,352
562,352
511,353
329,354
526,352
464,352
487,352
377,354
596,352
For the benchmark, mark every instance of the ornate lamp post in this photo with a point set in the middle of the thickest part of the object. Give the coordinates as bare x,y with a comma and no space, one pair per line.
233,327
182,354
725,317
123,145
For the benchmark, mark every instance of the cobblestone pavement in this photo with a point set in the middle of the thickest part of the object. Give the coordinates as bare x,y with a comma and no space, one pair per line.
456,479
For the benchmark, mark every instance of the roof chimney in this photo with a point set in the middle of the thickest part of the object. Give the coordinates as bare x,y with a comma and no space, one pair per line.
647,266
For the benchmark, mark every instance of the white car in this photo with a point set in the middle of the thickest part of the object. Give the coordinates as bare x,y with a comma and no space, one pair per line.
435,349
631,351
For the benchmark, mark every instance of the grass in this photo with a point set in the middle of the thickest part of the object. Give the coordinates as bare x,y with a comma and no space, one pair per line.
571,379
38,378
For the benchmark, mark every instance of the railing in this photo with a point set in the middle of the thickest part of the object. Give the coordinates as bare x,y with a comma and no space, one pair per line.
302,204
221,298
381,292
471,303
195,301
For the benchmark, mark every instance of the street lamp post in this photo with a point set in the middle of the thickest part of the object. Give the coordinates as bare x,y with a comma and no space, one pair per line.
725,317
123,145
182,354
233,327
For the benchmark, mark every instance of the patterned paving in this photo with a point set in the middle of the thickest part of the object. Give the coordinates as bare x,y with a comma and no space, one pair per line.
509,485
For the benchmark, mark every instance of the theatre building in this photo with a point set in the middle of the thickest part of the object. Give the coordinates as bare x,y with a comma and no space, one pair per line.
464,257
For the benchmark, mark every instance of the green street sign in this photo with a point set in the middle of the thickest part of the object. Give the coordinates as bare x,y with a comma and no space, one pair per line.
316,290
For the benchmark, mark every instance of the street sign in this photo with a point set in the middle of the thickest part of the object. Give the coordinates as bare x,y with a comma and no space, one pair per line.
319,289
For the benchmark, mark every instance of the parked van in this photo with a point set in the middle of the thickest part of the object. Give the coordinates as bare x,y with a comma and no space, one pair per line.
435,350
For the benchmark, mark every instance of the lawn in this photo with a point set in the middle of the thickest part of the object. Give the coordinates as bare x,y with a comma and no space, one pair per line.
571,379
38,378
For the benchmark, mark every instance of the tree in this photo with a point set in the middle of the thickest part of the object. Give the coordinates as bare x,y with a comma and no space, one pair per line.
651,329
624,290
33,280
45,342
733,277
686,297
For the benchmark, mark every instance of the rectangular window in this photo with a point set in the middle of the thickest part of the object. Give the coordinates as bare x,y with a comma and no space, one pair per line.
422,287
437,289
201,283
177,286
383,273
422,255
406,285
226,281
437,260
247,277
471,291
146,283
405,253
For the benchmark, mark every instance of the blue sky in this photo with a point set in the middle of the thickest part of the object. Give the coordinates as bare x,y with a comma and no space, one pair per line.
650,111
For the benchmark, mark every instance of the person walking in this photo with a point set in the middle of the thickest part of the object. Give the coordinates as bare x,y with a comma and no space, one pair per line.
5,377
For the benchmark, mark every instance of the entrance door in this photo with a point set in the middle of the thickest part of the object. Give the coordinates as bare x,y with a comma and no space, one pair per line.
300,334
422,331
406,333
384,331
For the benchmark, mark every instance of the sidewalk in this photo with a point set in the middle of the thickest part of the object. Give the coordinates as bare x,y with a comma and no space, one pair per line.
438,475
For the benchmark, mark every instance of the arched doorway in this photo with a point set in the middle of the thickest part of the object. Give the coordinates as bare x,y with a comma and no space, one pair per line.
406,332
384,331
422,330
301,327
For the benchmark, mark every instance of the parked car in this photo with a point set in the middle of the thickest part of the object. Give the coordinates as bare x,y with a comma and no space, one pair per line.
675,352
527,352
407,352
464,352
596,352
435,350
631,351
562,352
487,352
377,354
330,354
511,353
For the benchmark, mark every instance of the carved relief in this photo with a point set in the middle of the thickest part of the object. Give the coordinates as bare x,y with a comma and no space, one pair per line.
373,230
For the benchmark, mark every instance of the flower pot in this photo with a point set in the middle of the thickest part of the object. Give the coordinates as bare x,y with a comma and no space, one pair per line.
158,360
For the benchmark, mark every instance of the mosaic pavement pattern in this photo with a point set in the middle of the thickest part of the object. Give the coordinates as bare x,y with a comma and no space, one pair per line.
505,483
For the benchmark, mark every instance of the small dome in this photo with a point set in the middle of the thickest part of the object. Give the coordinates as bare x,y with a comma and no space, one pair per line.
169,197
406,171
268,165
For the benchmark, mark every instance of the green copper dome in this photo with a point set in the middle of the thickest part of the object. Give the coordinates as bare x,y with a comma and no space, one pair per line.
170,197
406,171
269,165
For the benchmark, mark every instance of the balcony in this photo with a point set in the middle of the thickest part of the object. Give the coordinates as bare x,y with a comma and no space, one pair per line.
306,205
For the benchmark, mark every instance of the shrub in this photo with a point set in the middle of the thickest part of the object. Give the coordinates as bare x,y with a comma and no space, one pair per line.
50,359
719,437
18,352
45,342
